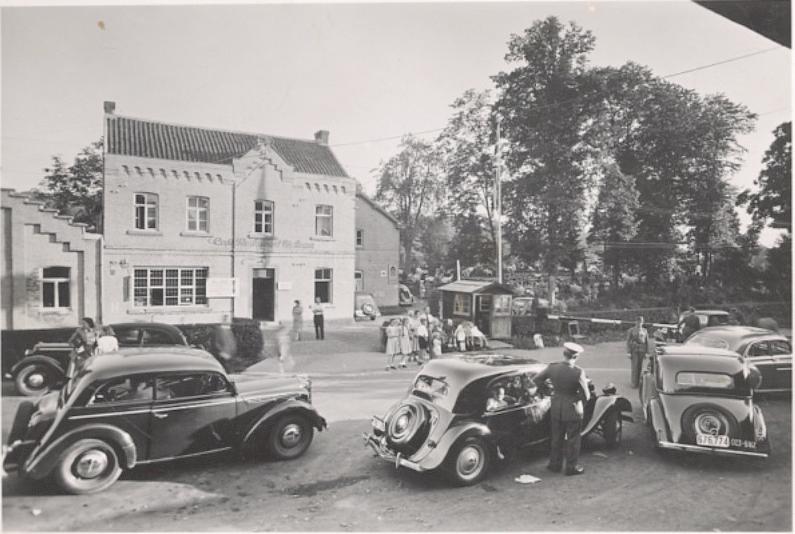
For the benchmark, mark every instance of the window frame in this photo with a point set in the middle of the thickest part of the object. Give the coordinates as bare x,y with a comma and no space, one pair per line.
226,392
359,238
462,304
146,206
57,282
319,208
329,281
263,213
198,209
358,275
165,284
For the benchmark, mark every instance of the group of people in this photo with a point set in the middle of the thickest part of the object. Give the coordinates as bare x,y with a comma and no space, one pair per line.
317,319
417,337
91,338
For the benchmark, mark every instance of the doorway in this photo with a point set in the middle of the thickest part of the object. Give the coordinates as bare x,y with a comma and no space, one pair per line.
263,294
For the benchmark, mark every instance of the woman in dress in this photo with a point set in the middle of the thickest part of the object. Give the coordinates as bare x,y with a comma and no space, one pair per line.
405,342
392,343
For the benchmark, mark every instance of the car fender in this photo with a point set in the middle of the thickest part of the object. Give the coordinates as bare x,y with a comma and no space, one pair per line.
603,405
40,464
658,422
292,405
40,359
437,455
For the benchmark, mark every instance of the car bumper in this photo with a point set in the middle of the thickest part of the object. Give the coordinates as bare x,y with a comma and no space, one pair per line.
14,455
708,450
380,449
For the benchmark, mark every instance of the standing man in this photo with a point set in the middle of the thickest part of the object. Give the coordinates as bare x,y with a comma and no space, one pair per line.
317,316
690,323
637,347
566,411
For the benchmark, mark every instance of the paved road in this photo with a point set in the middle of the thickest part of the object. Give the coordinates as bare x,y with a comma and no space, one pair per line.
337,485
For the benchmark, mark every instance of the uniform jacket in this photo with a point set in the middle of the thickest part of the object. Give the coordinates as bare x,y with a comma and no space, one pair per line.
637,339
571,388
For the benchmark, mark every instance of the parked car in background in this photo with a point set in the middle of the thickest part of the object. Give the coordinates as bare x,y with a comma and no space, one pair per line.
146,405
700,399
405,298
44,366
769,351
449,422
705,318
364,307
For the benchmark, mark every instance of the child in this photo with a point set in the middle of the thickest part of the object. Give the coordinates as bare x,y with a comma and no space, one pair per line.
436,343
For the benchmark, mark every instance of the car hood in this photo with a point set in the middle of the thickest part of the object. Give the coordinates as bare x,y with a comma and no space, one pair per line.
255,384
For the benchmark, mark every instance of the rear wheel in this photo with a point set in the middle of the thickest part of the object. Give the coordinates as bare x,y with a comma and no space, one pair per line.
87,466
612,428
35,379
707,419
290,437
469,461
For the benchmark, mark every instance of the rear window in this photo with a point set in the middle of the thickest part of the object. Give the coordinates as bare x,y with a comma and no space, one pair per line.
704,380
707,340
431,388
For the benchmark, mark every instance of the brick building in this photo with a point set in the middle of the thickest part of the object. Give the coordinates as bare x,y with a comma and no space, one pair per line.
377,251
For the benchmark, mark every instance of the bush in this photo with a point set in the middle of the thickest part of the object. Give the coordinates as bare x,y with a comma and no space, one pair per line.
248,340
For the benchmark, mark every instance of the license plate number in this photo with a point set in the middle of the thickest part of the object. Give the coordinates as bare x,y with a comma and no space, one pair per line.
378,424
712,441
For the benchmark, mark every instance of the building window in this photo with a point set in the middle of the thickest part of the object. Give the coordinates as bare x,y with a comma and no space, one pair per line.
324,220
198,214
263,217
359,238
323,284
55,287
170,286
145,211
462,304
358,278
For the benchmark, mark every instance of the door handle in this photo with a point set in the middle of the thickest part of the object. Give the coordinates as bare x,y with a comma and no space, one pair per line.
160,415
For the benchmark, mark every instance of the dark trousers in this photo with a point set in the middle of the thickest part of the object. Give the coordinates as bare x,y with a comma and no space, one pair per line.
319,334
564,441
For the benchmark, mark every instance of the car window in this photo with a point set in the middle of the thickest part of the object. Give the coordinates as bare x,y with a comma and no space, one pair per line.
157,337
124,389
760,348
779,347
715,320
191,385
127,336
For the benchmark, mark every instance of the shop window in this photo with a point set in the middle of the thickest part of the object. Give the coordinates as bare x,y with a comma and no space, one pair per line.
359,238
323,279
55,287
198,214
170,286
462,304
263,217
324,220
146,211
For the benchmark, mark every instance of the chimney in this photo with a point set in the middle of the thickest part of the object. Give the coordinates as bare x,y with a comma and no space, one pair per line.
321,137
110,107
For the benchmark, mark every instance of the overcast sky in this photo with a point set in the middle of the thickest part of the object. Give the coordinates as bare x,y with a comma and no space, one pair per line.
362,71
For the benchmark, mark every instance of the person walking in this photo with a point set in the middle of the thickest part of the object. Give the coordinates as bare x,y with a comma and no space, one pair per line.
566,410
298,320
637,347
317,317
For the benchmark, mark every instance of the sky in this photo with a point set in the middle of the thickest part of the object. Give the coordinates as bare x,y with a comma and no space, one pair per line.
367,72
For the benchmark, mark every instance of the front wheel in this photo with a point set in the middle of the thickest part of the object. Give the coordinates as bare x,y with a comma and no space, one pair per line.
87,466
612,427
469,461
35,379
290,437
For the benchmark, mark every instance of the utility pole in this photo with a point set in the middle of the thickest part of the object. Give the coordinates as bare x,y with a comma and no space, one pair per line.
498,198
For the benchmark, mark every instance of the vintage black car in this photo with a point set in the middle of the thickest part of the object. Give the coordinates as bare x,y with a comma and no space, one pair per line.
770,352
145,405
44,366
700,399
463,413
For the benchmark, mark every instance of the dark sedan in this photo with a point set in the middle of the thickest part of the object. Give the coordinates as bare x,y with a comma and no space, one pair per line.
769,351
44,366
146,405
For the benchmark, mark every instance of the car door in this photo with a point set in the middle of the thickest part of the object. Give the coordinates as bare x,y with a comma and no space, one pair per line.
773,358
193,413
123,402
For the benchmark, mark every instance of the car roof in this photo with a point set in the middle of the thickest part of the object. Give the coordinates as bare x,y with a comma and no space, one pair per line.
151,360
692,357
142,324
462,369
736,336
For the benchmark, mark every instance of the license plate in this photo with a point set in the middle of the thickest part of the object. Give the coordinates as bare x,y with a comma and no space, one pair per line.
712,441
378,424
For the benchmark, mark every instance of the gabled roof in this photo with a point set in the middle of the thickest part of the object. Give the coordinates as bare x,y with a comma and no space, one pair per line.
376,207
476,286
150,139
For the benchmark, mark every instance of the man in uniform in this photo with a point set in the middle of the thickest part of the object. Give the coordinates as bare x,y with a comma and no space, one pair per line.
566,411
637,347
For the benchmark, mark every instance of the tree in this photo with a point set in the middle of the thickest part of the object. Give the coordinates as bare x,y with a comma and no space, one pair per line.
613,222
774,198
76,190
410,185
434,239
548,125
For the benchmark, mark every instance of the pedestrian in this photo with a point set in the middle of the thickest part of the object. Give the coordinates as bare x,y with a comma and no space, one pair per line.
422,340
298,320
436,343
637,348
414,324
225,344
107,342
83,342
449,334
690,323
405,342
570,390
283,340
736,317
392,343
461,336
317,317
430,320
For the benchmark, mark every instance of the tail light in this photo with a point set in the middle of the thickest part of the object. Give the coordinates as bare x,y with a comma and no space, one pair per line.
760,428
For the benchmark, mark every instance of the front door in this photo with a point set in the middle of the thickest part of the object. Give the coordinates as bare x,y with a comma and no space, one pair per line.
193,413
262,294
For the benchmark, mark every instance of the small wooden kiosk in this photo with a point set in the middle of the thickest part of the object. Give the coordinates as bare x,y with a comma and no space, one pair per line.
484,302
